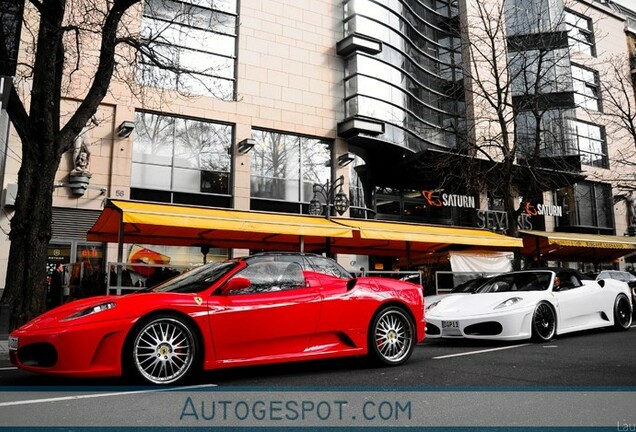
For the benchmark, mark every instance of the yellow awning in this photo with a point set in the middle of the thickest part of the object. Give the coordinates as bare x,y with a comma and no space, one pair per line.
179,225
586,240
188,225
394,231
576,247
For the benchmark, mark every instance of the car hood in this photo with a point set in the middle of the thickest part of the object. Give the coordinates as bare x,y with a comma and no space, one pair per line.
126,307
456,306
433,298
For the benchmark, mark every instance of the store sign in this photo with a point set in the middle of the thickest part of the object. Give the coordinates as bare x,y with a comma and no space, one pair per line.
542,209
436,199
498,220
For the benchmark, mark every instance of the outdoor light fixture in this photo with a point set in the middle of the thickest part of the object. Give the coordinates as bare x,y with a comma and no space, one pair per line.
339,199
345,159
125,129
246,145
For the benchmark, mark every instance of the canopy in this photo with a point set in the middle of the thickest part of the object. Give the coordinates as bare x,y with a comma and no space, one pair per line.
168,224
177,225
384,238
576,247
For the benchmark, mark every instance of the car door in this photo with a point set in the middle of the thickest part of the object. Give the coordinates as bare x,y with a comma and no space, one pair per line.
578,303
275,316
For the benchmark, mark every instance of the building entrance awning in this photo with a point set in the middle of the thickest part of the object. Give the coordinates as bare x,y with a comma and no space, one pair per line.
576,247
380,237
168,224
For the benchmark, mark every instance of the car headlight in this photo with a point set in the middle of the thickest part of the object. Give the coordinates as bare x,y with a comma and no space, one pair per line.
432,306
511,301
90,311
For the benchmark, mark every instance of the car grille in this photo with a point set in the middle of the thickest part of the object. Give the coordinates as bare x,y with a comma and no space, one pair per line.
489,328
38,355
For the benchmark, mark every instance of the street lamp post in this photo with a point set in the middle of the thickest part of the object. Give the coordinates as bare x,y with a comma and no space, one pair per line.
338,199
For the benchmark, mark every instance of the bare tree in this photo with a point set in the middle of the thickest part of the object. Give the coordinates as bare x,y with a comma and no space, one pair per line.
75,48
516,74
619,111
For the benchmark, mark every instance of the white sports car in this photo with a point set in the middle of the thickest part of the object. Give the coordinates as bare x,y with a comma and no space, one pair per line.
536,304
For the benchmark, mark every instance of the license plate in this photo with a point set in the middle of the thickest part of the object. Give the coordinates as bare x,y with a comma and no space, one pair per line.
13,343
450,324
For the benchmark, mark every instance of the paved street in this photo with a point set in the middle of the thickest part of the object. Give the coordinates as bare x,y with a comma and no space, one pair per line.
594,358
481,383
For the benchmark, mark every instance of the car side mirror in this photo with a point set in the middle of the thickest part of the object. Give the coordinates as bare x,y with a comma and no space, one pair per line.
601,282
236,283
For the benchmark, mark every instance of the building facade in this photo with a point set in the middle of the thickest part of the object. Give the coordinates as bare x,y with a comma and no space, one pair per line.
284,96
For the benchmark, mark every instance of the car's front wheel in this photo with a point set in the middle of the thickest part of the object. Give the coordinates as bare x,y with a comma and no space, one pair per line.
392,336
163,350
543,322
622,313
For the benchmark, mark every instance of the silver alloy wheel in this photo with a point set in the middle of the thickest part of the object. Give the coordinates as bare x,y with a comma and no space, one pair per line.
164,350
622,313
393,336
543,322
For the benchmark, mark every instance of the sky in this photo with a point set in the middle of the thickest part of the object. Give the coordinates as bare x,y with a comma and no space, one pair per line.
631,4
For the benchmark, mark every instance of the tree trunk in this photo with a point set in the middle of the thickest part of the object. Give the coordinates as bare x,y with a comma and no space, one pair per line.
25,289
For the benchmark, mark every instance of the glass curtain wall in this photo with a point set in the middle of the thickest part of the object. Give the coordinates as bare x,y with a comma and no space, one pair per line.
414,85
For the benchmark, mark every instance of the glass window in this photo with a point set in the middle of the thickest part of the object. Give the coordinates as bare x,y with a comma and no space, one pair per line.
590,140
586,205
176,154
580,33
273,276
198,36
586,88
284,167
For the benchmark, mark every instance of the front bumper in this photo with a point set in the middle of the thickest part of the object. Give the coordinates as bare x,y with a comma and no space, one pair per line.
91,350
515,324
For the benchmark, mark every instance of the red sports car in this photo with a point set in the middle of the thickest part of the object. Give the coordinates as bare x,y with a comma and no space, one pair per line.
266,308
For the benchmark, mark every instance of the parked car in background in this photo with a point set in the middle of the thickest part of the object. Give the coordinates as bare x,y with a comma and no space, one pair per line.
266,308
538,304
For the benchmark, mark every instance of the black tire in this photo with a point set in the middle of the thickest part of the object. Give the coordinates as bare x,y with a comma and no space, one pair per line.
392,336
543,322
163,350
622,313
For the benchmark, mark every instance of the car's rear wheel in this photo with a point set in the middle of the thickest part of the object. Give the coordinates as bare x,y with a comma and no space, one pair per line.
543,322
391,336
622,313
164,350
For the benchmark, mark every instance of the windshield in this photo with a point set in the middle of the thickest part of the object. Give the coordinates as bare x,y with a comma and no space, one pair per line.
526,281
195,280
469,286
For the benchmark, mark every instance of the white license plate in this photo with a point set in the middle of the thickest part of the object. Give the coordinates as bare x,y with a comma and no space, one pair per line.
450,324
13,343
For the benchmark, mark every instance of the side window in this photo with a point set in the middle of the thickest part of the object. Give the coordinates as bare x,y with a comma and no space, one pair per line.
327,266
267,277
569,280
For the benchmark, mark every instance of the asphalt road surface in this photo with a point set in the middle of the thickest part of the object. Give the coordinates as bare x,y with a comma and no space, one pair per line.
585,379
595,358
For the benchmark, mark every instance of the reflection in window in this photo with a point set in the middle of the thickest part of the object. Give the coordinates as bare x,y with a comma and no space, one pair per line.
590,141
197,36
586,206
285,167
175,154
580,33
586,88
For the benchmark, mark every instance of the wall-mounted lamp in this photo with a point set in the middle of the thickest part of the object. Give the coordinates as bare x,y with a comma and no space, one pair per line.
125,129
345,159
246,145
